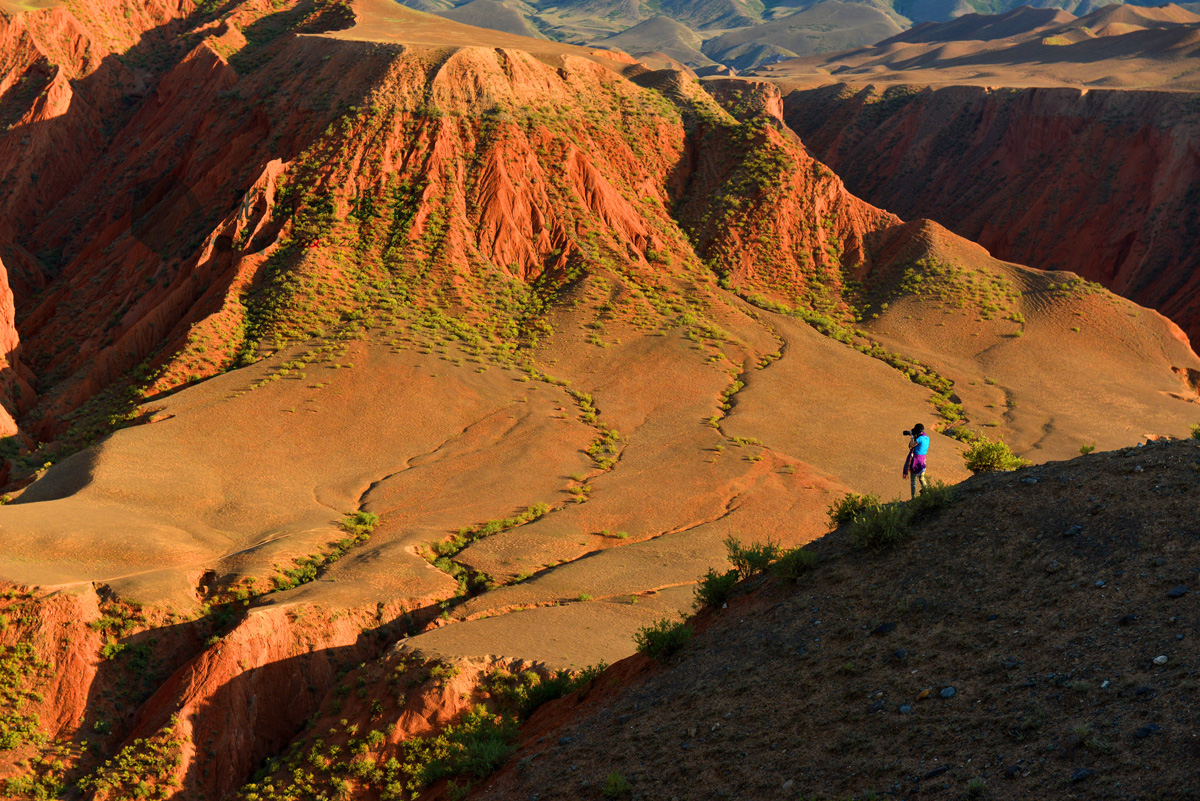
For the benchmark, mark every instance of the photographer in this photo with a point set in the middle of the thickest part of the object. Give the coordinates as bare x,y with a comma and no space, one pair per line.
914,465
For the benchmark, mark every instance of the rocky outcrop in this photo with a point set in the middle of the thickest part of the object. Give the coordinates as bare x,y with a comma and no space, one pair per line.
1101,183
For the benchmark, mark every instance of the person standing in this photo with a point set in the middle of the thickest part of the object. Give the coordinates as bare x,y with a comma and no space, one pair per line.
914,465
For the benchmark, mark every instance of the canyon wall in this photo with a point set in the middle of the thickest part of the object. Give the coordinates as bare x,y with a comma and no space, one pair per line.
1101,183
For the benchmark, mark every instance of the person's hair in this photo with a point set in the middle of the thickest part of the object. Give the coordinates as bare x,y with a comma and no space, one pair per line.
918,429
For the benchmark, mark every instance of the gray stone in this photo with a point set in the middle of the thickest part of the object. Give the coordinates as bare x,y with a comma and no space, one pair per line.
1177,592
905,709
1146,731
1161,659
1073,531
948,692
1080,775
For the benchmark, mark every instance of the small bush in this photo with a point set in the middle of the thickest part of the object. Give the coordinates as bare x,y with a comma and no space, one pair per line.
881,526
937,495
714,589
111,650
962,434
1085,449
476,745
750,560
360,523
615,785
988,456
844,509
1195,427
793,564
662,640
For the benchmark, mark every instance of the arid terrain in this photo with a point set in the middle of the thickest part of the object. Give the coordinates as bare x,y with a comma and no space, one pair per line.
362,366
735,34
1030,641
1079,155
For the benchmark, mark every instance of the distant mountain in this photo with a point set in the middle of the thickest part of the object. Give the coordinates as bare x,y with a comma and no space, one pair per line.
661,35
985,28
824,27
494,15
745,34
1115,46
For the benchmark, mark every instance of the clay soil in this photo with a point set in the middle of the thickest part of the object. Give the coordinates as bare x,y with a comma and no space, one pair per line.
1043,598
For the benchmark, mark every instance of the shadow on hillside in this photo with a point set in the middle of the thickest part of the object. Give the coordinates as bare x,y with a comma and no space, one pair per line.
252,715
120,227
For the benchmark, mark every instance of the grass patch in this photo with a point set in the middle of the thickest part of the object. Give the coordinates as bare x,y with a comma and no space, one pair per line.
465,536
845,508
882,525
793,564
663,639
748,560
992,456
307,568
615,785
714,589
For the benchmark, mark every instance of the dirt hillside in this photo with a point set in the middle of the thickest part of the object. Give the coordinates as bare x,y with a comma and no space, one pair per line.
1034,638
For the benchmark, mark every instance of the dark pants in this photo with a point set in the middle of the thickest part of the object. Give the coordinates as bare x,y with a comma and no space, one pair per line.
917,478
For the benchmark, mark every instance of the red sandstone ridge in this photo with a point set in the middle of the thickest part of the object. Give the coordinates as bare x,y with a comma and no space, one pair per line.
1101,183
140,230
15,391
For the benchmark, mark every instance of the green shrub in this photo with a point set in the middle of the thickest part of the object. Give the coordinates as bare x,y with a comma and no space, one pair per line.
1195,427
750,560
1085,449
615,785
881,526
476,745
662,640
360,523
792,564
844,509
111,650
937,495
560,684
962,434
988,456
714,589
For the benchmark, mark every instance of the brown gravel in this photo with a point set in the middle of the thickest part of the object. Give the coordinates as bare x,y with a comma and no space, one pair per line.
1048,638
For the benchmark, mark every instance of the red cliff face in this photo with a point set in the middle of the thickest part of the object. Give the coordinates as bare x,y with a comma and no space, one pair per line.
1102,183
150,199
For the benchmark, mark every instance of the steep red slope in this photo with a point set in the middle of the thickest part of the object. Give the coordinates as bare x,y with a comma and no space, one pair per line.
1102,183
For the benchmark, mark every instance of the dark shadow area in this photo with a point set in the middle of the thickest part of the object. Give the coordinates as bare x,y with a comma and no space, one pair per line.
247,715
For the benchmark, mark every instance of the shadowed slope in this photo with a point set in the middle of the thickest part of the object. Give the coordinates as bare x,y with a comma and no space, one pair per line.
1026,638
